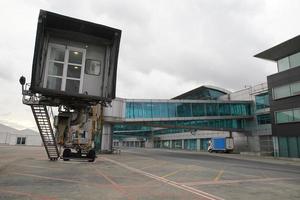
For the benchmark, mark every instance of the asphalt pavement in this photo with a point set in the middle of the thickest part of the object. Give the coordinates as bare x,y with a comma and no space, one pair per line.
26,173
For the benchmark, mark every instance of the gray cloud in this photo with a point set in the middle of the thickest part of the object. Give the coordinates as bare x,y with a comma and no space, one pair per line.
167,47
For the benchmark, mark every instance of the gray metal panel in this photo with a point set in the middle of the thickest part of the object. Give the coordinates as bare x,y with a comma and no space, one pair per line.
282,50
75,31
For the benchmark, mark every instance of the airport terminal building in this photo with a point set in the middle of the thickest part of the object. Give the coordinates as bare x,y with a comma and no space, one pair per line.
262,119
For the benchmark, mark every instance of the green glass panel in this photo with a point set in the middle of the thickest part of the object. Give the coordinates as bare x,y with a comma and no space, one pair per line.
138,110
147,110
292,147
281,92
284,116
295,60
262,101
172,109
283,64
224,109
198,109
184,110
163,110
295,88
283,147
263,119
296,115
156,110
212,109
238,109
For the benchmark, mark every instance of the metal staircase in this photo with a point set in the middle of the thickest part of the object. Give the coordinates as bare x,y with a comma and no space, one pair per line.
42,120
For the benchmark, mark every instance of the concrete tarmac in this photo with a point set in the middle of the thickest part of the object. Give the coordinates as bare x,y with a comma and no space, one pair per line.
151,174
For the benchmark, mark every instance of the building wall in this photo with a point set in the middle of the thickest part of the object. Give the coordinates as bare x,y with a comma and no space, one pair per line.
11,139
280,79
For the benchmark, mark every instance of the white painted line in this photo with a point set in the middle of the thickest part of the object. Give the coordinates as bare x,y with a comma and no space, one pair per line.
169,182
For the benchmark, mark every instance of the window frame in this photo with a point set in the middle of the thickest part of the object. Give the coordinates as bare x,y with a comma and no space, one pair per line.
291,94
66,63
293,121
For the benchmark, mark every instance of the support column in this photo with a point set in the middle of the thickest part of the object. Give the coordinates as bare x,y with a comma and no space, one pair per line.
182,144
198,144
106,142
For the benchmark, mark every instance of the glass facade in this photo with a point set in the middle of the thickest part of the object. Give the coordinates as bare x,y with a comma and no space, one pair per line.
285,116
262,101
289,62
212,124
291,89
263,119
136,110
202,93
190,144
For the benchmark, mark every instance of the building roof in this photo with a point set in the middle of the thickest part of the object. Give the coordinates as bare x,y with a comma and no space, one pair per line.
204,92
282,50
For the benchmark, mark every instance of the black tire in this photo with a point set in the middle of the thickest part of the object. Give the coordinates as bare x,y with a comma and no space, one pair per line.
66,154
91,155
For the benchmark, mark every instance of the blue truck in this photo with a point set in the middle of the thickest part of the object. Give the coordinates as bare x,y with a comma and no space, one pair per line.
224,144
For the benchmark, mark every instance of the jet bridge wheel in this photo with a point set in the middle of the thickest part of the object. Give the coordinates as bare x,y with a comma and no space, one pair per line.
66,154
91,155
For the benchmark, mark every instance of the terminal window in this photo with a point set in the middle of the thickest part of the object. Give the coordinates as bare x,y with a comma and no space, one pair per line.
21,140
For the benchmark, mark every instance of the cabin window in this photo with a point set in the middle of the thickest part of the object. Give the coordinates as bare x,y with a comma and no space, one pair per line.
92,67
64,68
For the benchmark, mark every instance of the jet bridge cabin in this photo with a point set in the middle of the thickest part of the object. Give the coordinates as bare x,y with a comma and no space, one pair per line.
74,59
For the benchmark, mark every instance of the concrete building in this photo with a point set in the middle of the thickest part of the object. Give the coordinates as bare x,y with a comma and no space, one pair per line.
270,126
10,136
190,120
284,90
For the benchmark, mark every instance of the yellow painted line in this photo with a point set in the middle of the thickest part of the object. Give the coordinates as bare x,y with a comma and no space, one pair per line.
172,173
186,188
220,174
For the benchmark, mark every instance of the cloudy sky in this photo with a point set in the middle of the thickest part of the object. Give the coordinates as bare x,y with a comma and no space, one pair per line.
167,47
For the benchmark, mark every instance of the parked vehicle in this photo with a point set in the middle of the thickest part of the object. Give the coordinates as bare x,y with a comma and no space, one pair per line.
225,145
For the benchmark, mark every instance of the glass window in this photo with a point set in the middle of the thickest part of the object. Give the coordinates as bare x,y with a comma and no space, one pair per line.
92,67
172,109
284,116
75,57
297,115
148,109
55,69
57,54
138,110
224,109
295,88
262,101
74,71
18,140
212,109
129,110
184,110
72,86
54,83
280,92
23,140
295,60
155,110
239,109
283,64
198,109
263,119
